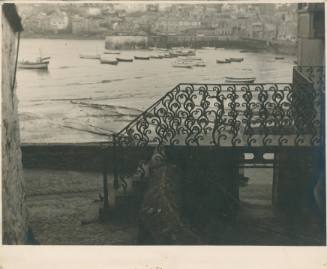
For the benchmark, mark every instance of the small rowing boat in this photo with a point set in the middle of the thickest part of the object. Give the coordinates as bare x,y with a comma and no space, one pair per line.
182,65
175,52
190,61
238,80
108,60
44,59
141,58
179,64
111,52
226,61
236,59
156,57
90,56
39,63
188,58
200,64
168,56
124,59
33,65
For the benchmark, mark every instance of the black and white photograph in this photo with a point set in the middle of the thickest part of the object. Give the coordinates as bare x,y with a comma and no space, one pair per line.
163,124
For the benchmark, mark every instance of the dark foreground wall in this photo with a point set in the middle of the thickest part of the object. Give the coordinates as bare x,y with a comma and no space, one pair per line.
14,214
80,157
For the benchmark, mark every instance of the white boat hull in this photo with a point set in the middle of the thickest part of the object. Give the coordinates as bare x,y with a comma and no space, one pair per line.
89,56
33,65
182,65
239,80
111,52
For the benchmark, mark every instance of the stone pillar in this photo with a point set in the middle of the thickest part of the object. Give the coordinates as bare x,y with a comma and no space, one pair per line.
296,173
210,181
14,224
311,34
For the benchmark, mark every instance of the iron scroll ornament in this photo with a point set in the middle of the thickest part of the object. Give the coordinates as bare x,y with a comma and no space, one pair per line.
229,115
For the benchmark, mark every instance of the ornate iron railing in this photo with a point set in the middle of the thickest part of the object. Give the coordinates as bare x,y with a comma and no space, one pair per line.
229,115
316,76
266,115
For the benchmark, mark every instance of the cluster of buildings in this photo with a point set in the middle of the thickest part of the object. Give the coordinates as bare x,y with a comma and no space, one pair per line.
253,21
55,21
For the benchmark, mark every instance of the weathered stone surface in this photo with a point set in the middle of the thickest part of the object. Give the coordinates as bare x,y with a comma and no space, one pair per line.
13,198
161,218
295,180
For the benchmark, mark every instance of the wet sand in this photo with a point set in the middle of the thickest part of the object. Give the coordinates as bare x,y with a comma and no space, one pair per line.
81,100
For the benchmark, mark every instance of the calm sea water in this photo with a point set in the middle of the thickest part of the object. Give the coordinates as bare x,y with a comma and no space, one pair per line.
81,100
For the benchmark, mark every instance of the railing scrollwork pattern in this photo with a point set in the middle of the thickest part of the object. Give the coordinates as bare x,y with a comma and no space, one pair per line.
232,115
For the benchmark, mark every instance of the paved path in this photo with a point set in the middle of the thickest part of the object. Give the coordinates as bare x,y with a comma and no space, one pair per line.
58,201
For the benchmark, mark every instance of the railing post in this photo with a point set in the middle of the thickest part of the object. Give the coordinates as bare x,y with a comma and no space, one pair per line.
114,159
105,182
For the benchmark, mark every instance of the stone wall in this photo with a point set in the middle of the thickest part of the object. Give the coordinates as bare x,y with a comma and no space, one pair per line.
14,223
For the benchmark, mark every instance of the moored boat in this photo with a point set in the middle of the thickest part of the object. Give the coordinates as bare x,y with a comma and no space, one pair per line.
279,58
90,56
236,59
191,60
200,64
108,60
111,52
156,56
239,80
124,59
175,52
33,65
141,57
167,56
39,63
44,59
226,61
182,65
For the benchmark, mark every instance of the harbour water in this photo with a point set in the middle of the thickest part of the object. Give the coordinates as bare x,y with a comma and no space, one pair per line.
81,100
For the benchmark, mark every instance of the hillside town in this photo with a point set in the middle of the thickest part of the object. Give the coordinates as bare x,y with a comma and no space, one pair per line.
271,22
